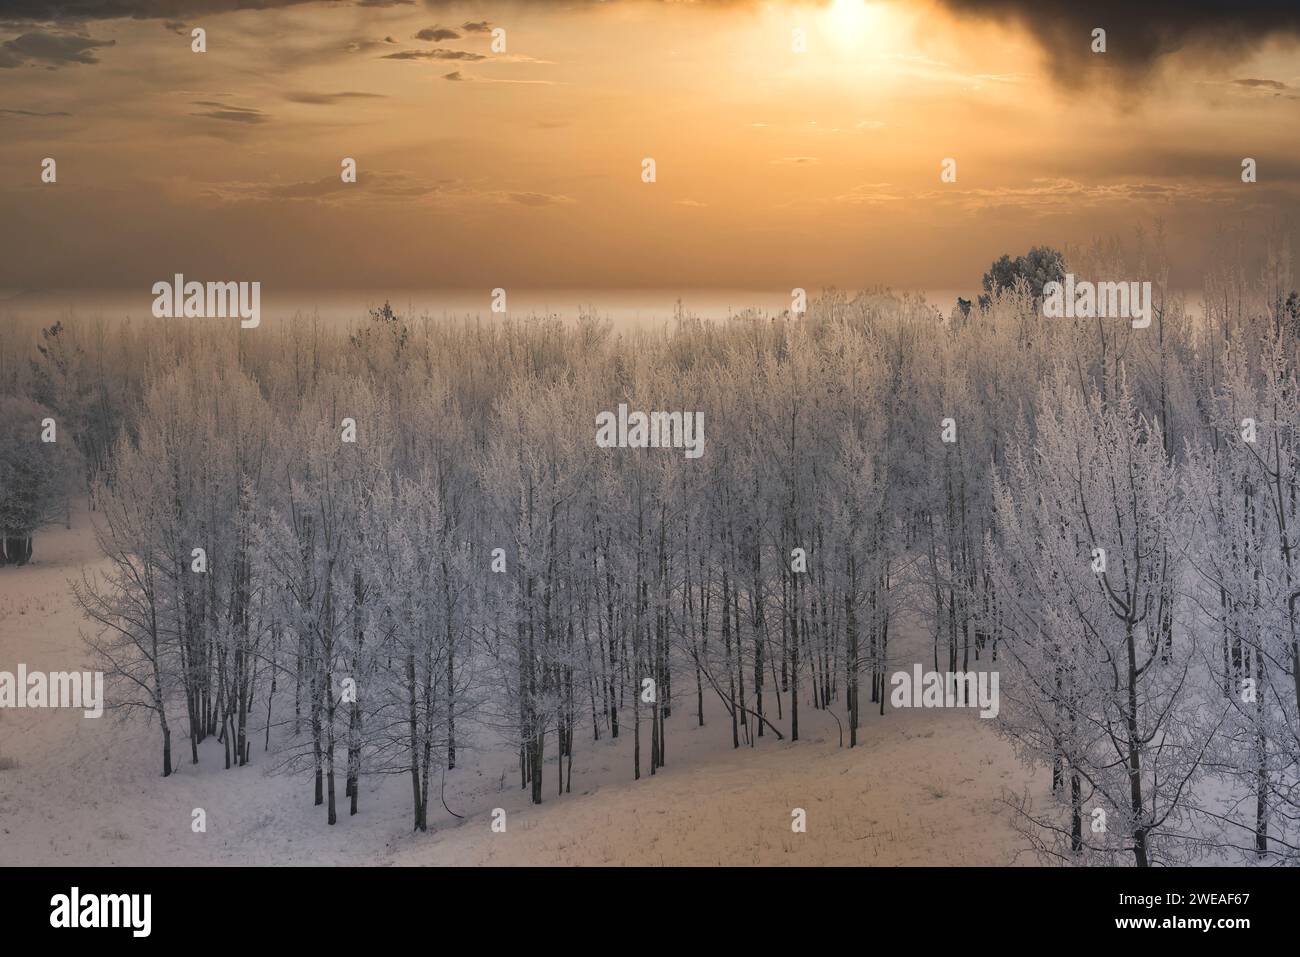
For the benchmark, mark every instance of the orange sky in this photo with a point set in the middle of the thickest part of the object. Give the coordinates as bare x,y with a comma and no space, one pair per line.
774,168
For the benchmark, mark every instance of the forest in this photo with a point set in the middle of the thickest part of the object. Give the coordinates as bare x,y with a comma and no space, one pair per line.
353,552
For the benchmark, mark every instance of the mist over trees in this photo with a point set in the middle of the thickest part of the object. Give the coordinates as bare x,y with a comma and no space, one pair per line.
350,553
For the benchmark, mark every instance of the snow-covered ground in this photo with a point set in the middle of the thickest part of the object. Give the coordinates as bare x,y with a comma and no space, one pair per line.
922,787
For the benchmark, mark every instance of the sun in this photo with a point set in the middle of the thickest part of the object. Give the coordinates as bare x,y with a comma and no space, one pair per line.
855,24
849,16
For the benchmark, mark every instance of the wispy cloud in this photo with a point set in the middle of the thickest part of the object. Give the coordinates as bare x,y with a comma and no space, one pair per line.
538,199
230,114
33,113
869,194
1070,196
1268,84
458,77
433,55
326,99
398,187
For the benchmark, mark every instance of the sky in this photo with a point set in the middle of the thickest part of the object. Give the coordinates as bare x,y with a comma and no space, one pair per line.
774,167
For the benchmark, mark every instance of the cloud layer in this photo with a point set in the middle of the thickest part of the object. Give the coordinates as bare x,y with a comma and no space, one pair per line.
1139,36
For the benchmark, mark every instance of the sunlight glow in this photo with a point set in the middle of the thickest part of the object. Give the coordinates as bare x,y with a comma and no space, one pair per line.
852,21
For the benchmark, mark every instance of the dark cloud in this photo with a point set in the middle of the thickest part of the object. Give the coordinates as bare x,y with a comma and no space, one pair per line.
437,34
1139,36
326,99
454,76
433,55
82,10
476,26
32,113
44,47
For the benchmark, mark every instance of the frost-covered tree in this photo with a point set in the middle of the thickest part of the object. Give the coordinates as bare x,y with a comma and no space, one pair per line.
1243,491
37,477
1089,519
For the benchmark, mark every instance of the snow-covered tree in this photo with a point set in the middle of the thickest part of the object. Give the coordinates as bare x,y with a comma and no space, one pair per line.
1089,517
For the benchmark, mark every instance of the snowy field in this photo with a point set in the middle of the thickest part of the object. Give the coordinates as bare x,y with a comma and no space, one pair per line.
924,787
